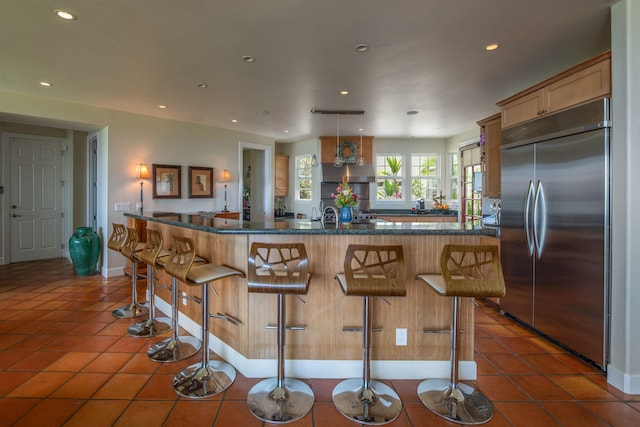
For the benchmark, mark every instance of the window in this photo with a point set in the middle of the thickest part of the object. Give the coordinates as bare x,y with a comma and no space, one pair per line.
303,177
389,177
452,167
425,176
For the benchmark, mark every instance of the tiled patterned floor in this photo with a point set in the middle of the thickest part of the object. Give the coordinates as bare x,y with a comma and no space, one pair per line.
64,360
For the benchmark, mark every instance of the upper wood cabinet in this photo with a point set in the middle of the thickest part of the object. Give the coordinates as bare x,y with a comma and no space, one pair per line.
490,140
585,82
281,176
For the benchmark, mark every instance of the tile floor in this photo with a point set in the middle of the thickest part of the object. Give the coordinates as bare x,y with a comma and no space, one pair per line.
64,360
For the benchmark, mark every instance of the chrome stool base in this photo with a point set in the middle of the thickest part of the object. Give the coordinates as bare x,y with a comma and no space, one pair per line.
174,349
130,311
376,405
274,404
198,381
462,405
150,328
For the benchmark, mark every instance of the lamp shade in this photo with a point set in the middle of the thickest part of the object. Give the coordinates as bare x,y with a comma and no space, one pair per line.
226,176
142,171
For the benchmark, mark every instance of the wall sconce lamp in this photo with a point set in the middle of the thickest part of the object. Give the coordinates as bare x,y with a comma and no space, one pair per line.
142,173
226,177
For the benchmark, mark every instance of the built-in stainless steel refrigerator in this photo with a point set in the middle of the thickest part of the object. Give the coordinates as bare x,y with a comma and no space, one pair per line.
555,227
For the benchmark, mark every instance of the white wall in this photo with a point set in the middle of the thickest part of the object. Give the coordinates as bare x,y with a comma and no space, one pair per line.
624,368
126,139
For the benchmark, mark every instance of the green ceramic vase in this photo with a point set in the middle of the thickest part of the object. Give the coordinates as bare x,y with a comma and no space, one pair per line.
84,247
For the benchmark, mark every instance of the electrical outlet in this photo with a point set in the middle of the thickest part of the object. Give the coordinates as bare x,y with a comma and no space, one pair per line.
401,336
119,207
184,298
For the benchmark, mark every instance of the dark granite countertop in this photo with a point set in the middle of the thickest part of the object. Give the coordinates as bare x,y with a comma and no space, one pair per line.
306,226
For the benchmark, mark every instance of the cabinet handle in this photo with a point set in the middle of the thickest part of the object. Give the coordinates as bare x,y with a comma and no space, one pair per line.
544,110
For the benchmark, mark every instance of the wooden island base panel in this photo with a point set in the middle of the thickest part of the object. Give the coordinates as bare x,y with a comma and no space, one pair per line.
324,340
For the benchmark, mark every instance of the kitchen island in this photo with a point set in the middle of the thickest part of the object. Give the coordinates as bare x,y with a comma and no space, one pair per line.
324,347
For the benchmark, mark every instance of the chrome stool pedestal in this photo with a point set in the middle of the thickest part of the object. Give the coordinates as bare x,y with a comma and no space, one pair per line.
207,377
370,271
177,347
280,268
365,400
467,271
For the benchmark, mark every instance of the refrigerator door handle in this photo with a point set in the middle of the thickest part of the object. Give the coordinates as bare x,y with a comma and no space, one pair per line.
539,219
527,218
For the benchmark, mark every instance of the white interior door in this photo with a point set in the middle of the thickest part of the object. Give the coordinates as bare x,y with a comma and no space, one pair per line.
35,199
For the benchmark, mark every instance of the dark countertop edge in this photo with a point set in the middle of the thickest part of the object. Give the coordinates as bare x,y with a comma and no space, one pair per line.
444,228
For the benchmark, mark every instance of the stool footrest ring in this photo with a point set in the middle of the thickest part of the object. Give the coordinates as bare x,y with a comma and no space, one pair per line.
233,320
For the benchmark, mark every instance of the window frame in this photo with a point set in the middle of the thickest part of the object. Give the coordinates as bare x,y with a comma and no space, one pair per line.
400,177
298,178
437,177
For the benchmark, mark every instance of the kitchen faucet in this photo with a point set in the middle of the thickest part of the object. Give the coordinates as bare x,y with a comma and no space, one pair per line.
335,213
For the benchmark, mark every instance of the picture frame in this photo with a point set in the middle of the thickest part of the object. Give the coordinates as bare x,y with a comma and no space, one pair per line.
200,182
167,181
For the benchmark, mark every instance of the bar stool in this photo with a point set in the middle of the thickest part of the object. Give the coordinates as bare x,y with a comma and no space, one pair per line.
177,347
208,377
282,269
129,249
370,271
152,251
467,271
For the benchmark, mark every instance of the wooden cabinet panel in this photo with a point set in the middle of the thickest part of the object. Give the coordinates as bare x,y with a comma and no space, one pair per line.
490,140
584,82
591,83
281,176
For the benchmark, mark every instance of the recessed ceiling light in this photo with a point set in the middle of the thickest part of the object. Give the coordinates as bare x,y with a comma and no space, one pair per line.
344,92
491,46
412,113
162,107
234,120
46,84
66,15
360,129
362,47
248,59
202,85
286,131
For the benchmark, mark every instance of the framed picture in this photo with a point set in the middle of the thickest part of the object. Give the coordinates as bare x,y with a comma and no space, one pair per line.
167,182
200,183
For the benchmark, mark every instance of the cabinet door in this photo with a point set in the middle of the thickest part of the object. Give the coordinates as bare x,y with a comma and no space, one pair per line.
492,132
591,83
281,176
522,109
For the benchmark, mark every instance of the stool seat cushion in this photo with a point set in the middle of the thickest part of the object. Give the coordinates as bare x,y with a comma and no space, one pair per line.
200,274
436,281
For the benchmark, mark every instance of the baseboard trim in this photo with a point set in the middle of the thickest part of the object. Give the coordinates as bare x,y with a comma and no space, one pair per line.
302,368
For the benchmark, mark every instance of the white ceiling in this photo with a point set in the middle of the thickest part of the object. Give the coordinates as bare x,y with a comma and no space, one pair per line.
425,55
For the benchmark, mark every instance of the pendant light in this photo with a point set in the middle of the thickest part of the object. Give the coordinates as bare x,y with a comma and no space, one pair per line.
314,158
361,159
337,162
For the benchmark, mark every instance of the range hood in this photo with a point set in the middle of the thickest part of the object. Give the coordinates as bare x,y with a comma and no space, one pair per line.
353,173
